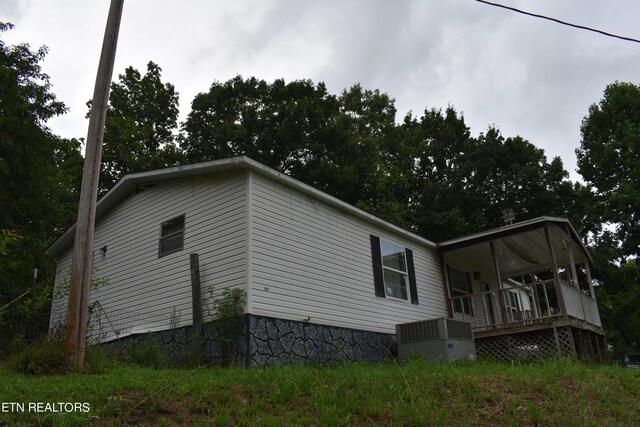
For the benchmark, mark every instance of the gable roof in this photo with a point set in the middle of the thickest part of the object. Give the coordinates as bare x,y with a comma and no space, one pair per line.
129,183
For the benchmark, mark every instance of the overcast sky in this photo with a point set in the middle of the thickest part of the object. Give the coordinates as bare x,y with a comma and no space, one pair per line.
529,77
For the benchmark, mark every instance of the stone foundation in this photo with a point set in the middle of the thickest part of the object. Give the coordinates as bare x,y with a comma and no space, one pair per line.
284,342
174,347
261,341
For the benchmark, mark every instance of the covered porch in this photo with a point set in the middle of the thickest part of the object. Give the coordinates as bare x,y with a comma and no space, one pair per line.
526,288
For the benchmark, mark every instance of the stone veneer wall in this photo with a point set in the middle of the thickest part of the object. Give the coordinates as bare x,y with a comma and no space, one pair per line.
285,342
175,346
266,341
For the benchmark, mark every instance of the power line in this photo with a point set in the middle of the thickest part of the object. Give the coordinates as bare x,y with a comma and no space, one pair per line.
604,33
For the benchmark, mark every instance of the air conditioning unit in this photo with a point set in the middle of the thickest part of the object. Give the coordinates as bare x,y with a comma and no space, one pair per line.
443,339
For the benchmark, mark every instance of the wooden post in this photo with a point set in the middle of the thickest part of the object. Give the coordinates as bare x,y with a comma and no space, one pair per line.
574,278
82,262
572,265
196,298
500,292
445,284
589,281
556,276
537,309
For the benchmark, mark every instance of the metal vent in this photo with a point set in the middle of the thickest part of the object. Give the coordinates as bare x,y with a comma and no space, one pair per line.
418,331
457,329
434,329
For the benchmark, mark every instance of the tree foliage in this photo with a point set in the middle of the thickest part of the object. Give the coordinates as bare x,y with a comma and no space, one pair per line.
462,184
337,144
618,293
279,124
609,160
140,127
39,171
427,174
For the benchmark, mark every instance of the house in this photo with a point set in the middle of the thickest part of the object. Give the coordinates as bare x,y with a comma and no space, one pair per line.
321,280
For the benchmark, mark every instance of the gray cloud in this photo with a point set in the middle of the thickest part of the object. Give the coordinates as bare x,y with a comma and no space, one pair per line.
529,77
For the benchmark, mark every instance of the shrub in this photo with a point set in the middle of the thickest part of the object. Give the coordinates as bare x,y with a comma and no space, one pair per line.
46,356
42,357
147,354
229,308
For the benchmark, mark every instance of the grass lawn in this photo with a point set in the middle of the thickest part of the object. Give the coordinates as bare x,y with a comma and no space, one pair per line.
558,393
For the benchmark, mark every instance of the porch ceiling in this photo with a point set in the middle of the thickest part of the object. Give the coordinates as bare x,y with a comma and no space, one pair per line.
520,248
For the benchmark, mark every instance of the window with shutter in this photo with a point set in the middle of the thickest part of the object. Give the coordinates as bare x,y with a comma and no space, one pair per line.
393,270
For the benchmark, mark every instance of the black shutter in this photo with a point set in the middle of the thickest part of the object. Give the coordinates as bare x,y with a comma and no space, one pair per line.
412,276
376,260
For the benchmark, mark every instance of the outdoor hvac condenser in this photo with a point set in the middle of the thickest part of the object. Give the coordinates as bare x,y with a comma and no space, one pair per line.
444,340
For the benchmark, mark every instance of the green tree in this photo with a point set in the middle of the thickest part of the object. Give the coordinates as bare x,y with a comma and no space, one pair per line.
609,160
618,293
7,238
38,171
462,184
514,173
344,145
426,174
26,144
360,167
282,125
140,127
440,144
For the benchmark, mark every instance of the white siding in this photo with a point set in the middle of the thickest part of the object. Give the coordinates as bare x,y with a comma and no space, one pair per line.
312,261
57,318
146,292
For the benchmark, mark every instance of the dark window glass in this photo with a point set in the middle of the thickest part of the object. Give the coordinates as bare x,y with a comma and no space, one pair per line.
394,266
460,286
171,236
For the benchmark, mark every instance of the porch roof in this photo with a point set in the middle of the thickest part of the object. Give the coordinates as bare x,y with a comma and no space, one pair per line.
520,248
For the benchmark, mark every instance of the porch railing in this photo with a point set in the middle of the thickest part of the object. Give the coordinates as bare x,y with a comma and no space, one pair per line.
580,305
534,303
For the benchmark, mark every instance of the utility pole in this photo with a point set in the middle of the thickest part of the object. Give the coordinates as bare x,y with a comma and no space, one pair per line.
82,262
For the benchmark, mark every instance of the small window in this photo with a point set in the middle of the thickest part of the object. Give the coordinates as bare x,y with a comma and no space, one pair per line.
394,268
171,236
460,286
